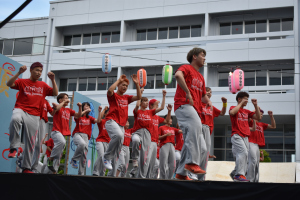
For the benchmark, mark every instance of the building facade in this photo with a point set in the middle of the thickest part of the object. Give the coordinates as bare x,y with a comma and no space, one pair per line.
259,36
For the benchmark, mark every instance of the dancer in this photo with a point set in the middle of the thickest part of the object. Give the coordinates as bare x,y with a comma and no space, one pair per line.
190,94
49,144
240,132
26,113
142,129
178,146
256,140
125,153
118,116
156,165
82,135
61,129
167,161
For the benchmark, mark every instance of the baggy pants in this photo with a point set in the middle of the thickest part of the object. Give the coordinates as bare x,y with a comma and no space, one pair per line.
167,161
253,162
81,140
240,148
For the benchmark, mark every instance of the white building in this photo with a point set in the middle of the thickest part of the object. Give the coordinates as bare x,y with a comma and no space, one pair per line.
260,36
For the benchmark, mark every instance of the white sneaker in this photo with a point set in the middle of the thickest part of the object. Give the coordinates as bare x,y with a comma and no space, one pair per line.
107,163
193,176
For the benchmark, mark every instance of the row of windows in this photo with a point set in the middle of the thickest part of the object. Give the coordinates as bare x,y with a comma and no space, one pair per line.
258,26
92,38
259,78
280,142
169,33
22,46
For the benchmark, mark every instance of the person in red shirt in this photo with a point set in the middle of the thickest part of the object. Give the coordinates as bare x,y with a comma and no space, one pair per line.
61,129
125,153
257,140
167,162
46,108
240,132
49,144
82,135
26,113
118,116
207,118
190,93
178,146
156,165
142,129
101,144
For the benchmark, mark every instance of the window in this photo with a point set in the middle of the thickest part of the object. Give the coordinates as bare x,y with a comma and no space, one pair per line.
38,45
86,38
102,83
184,31
274,25
8,47
287,77
275,38
162,33
95,38
115,37
76,40
173,83
261,26
261,78
63,85
274,77
68,40
250,27
82,84
173,32
72,83
110,81
223,79
141,35
23,46
105,37
151,34
196,31
237,28
249,78
225,28
91,84
261,38
159,83
1,46
287,24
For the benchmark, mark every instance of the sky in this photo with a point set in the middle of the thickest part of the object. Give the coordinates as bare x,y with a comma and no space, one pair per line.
36,8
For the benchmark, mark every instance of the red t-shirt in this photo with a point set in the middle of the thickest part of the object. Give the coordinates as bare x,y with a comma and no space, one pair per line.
84,125
179,141
157,153
49,143
195,83
127,137
46,108
143,119
31,95
240,123
169,139
103,135
257,136
156,121
118,108
208,115
61,120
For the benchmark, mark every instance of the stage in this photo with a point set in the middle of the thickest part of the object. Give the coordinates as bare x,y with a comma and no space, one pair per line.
44,186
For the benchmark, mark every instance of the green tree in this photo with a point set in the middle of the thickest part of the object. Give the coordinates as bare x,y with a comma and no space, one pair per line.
266,156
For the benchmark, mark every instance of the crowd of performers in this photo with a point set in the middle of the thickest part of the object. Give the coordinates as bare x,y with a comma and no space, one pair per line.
180,152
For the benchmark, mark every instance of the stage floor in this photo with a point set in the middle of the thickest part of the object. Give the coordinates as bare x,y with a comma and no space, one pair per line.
44,186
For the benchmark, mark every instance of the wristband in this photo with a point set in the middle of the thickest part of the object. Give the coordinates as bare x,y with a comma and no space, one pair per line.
225,105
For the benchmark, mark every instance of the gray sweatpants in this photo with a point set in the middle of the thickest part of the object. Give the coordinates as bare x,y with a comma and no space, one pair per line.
205,152
240,149
178,157
253,162
155,169
152,159
38,145
81,140
57,151
29,124
123,160
143,137
191,126
116,134
167,161
98,166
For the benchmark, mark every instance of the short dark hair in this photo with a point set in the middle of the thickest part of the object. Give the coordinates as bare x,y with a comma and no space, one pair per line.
60,96
207,89
166,117
194,51
241,95
144,99
82,106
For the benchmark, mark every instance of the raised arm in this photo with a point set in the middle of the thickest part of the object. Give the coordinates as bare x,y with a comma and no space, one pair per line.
11,81
59,106
78,115
99,114
162,106
43,141
138,102
273,123
169,107
138,90
111,89
224,100
257,115
237,108
181,82
51,76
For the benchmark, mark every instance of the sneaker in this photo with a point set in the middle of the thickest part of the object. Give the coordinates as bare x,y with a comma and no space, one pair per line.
231,175
135,163
195,169
133,171
18,162
107,163
50,165
193,176
12,153
27,171
240,178
74,164
180,177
